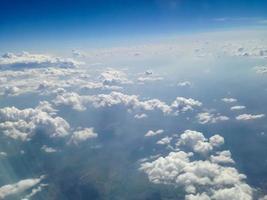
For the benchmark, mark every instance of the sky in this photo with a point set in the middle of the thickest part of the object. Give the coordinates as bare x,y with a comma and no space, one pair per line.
97,23
134,100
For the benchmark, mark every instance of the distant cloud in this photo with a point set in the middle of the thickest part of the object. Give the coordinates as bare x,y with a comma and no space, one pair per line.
261,69
113,77
165,141
184,84
206,117
229,100
238,107
11,91
78,54
182,104
140,116
19,187
131,102
3,154
247,117
144,79
27,60
148,76
151,133
82,135
47,149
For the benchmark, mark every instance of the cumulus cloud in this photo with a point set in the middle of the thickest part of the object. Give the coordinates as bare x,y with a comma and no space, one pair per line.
222,157
165,141
23,124
72,99
151,133
82,135
11,91
181,104
198,143
113,77
202,196
206,117
27,60
131,102
45,81
206,178
19,187
247,117
216,140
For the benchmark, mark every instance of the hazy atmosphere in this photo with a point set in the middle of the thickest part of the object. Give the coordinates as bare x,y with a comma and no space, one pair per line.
133,100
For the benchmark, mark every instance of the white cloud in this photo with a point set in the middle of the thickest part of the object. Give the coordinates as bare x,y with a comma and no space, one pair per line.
78,54
151,78
261,69
131,102
140,116
35,191
82,135
247,117
47,149
222,157
19,187
198,143
151,133
165,141
242,191
11,91
229,100
202,196
238,107
181,104
206,117
45,81
72,99
148,76
263,198
216,140
27,60
184,84
113,77
23,124
206,178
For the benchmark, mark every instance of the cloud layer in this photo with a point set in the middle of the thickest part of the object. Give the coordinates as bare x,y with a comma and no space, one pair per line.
207,176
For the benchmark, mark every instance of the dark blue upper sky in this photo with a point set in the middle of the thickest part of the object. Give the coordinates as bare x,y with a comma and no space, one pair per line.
66,21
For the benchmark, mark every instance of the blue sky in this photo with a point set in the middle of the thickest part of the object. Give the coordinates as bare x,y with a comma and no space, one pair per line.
48,24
